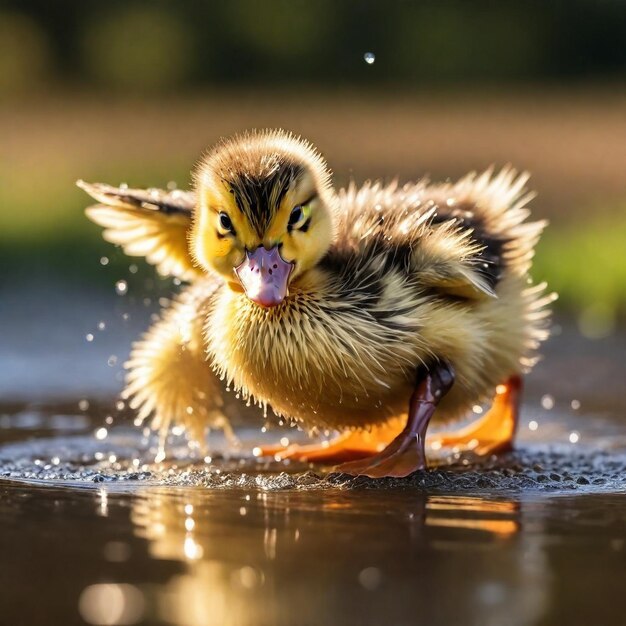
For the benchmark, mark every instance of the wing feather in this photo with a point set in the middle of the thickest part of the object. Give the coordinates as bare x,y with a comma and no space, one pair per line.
152,223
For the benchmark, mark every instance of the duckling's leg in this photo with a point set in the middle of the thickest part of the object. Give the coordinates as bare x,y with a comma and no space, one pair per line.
348,446
406,454
494,431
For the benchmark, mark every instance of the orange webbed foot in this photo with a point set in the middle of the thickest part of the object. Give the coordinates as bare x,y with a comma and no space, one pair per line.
348,446
493,432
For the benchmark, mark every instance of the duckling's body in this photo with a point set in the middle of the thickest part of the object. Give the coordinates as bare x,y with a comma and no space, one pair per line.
342,350
413,285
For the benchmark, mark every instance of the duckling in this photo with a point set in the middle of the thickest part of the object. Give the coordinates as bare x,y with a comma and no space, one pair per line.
371,311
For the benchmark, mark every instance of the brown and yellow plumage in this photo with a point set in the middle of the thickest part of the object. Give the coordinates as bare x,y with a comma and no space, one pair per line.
375,285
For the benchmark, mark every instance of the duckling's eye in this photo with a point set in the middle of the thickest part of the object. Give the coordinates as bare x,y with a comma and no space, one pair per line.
225,223
298,217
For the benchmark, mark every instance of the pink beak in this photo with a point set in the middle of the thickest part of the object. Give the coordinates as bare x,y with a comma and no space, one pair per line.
264,275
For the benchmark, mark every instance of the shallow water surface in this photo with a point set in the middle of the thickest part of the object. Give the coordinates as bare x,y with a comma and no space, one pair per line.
93,531
100,534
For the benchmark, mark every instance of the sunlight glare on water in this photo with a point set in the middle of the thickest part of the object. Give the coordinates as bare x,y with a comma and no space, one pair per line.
111,604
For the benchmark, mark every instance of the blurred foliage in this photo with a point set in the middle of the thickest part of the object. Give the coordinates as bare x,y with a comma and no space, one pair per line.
25,54
150,46
126,42
587,266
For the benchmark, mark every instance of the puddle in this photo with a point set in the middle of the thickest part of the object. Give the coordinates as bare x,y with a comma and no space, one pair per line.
107,536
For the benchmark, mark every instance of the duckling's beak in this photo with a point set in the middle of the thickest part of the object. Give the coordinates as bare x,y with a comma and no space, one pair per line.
264,275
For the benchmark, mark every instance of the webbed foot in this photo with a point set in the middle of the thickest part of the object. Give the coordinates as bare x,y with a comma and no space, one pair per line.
494,431
345,447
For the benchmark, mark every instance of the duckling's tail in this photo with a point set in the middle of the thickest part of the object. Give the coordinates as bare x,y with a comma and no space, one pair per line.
500,203
500,211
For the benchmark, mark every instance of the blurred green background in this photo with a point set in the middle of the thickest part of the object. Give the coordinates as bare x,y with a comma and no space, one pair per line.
127,91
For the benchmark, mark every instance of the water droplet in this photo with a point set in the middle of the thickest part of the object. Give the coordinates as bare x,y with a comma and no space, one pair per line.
89,337
119,405
101,433
112,360
83,405
101,325
574,437
369,57
575,404
104,260
547,402
121,287
533,425
108,419
132,268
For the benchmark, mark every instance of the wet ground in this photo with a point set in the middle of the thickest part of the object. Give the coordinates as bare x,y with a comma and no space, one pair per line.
93,531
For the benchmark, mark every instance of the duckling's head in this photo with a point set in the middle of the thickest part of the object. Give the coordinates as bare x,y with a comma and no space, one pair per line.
264,214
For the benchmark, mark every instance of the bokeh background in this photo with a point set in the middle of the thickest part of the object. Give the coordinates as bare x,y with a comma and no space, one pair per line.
129,91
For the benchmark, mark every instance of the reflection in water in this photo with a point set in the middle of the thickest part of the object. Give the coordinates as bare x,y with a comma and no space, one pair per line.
291,557
489,521
111,604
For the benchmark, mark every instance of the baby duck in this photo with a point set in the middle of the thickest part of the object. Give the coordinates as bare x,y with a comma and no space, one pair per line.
371,311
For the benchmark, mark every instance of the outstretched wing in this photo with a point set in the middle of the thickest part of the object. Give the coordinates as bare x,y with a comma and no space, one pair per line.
153,223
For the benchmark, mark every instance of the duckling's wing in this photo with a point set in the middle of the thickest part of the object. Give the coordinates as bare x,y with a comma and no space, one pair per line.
153,223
